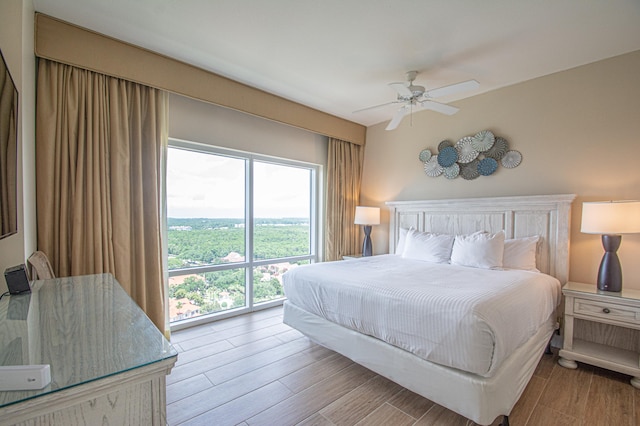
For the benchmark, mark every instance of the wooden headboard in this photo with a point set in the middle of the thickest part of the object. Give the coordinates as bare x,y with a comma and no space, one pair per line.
522,216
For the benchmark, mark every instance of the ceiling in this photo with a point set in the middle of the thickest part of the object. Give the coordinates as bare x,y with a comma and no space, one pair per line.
339,56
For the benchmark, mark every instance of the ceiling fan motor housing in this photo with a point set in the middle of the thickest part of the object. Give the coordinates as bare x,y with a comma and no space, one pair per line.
417,90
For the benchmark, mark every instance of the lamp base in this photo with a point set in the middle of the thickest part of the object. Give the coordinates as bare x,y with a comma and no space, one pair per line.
610,271
367,246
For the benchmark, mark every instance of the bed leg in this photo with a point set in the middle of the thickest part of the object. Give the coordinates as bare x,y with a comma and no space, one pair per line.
505,421
547,351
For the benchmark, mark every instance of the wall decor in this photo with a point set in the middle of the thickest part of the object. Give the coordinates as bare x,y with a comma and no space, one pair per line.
448,156
424,156
432,168
470,157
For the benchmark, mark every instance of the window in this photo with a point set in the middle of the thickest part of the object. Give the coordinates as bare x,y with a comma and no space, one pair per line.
235,223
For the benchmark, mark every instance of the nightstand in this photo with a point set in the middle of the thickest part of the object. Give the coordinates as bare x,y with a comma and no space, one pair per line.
603,313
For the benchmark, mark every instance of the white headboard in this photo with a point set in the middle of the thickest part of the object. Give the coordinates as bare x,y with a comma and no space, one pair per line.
545,215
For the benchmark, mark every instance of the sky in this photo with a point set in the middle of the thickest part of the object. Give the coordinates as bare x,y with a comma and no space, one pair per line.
212,186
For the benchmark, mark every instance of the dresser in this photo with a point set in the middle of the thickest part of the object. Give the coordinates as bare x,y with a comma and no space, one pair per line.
108,360
602,329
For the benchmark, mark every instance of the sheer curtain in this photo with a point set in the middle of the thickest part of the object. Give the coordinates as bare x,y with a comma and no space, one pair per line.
344,174
100,149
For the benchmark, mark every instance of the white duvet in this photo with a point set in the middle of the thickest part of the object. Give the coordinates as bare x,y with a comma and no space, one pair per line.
466,318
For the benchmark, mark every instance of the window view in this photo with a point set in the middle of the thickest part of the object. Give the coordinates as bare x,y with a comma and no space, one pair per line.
235,224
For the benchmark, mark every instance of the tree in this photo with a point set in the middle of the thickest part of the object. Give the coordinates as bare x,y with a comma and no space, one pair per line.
199,242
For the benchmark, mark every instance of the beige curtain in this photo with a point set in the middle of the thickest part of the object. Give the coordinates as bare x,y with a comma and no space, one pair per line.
8,153
100,146
344,174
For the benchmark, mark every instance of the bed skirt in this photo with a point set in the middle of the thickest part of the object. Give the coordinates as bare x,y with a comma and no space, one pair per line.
474,397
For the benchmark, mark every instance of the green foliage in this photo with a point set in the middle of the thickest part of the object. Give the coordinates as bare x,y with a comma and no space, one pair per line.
267,290
203,246
198,242
177,292
271,242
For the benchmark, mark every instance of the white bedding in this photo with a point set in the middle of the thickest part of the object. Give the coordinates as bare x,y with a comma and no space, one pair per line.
466,318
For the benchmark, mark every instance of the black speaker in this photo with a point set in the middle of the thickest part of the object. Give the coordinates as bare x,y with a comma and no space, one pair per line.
17,280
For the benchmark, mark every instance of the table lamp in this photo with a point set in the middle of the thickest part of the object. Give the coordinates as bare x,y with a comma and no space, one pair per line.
611,219
367,216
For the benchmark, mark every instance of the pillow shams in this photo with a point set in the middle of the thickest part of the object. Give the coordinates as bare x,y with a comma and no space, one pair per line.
427,246
520,253
478,250
401,239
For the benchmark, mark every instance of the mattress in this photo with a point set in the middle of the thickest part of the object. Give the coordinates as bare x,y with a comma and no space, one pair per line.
466,318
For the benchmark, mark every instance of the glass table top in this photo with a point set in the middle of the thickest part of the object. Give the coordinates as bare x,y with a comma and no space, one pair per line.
85,327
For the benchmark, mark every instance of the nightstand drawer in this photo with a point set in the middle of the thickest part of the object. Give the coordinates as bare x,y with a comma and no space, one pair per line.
607,310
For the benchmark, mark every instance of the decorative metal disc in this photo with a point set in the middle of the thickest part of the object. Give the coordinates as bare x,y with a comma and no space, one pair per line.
469,171
424,156
448,156
452,171
498,150
466,153
432,168
511,159
483,140
442,145
487,166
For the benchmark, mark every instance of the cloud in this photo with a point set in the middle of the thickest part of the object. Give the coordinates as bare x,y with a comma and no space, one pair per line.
210,185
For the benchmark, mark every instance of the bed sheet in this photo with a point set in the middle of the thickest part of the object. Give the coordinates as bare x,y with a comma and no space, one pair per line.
466,318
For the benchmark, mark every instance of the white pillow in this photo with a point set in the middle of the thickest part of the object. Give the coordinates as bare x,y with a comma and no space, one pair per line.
401,239
478,250
520,253
427,246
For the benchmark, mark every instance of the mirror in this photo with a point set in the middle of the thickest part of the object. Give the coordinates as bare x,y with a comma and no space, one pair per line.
8,152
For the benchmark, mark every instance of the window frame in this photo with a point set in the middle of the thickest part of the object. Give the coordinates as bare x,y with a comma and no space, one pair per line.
249,264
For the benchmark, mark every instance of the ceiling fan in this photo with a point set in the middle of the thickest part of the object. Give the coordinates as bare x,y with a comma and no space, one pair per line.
415,98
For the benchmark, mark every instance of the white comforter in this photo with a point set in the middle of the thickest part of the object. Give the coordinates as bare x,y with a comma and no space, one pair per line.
465,318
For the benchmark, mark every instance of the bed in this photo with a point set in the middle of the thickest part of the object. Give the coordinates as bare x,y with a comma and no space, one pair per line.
466,359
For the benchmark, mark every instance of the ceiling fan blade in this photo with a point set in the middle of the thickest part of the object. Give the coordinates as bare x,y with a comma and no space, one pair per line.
437,106
376,106
395,121
402,89
452,89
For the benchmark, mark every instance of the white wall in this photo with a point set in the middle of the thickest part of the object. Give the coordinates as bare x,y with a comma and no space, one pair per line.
16,42
578,132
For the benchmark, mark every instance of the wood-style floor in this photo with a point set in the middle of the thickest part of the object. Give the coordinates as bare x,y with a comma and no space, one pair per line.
254,370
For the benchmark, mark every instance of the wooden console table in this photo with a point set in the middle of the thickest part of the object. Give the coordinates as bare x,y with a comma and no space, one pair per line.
108,360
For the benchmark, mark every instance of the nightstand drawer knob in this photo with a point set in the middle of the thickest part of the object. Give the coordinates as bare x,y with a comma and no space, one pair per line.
606,310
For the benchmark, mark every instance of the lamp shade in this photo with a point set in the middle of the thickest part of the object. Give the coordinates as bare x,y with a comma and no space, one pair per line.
367,216
611,217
